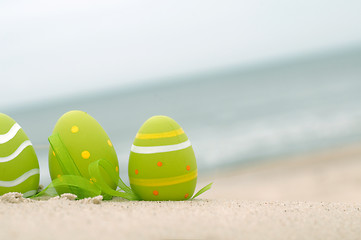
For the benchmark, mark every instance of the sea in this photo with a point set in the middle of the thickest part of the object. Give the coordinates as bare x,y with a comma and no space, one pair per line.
232,117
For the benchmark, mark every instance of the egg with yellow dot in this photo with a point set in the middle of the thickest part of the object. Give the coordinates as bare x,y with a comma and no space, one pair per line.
162,164
74,129
84,141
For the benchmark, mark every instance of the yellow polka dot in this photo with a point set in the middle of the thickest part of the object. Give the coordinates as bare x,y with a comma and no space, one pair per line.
85,154
110,143
116,169
74,129
59,176
54,153
91,181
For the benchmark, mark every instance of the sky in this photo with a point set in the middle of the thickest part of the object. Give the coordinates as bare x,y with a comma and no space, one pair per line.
56,49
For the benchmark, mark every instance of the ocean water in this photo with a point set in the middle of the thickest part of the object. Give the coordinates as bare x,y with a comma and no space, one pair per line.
231,117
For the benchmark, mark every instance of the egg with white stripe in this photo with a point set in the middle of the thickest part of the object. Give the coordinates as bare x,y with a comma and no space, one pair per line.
162,164
19,166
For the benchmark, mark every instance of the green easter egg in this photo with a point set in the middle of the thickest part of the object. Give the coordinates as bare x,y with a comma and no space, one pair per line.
162,164
86,141
19,166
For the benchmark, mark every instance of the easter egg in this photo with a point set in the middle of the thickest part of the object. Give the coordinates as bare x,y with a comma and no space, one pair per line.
162,164
85,141
19,166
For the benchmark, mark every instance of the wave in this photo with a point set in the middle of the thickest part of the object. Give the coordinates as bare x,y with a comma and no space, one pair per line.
10,134
17,152
161,149
20,179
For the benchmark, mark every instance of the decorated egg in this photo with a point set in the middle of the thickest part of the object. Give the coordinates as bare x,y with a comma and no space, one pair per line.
162,164
82,139
19,166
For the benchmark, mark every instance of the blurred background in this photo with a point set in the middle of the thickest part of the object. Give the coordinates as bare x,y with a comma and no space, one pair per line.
247,80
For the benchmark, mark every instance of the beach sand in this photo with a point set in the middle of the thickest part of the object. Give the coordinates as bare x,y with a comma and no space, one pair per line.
310,196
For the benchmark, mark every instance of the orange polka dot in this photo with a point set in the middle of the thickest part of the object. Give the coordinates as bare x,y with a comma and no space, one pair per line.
85,154
159,164
188,167
54,153
186,196
155,193
116,169
136,171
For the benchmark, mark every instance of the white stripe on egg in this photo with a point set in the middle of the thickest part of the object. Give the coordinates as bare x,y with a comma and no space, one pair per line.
161,149
17,152
10,134
20,179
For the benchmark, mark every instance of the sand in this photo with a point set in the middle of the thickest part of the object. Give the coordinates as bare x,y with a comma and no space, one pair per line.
311,196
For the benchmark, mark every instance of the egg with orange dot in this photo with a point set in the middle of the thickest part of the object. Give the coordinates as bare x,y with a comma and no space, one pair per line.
162,164
85,141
